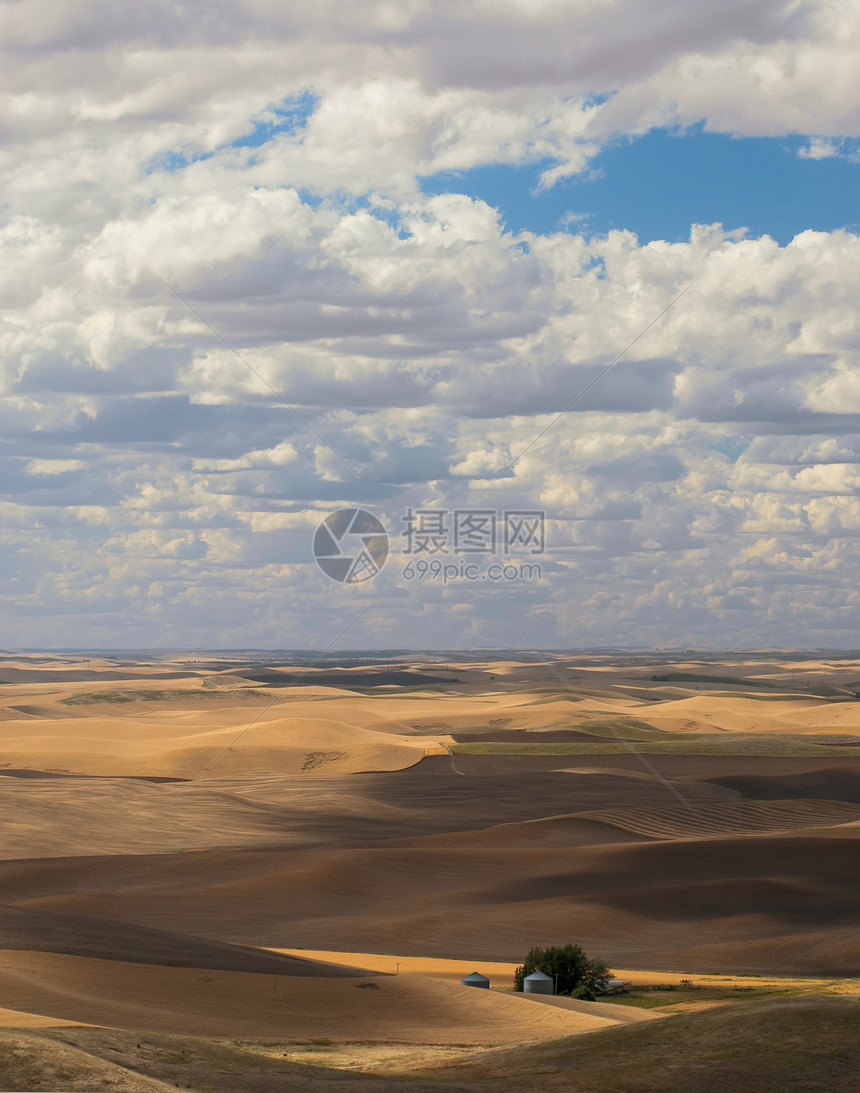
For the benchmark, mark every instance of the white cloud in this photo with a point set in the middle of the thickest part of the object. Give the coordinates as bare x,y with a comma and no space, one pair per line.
819,148
54,466
838,391
157,489
279,456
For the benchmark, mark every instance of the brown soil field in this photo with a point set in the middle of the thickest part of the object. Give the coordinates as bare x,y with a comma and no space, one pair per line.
212,849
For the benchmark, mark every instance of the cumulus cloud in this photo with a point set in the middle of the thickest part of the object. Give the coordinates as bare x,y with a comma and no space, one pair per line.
819,148
228,307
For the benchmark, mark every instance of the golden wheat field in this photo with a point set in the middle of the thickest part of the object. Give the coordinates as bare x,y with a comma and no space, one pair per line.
276,874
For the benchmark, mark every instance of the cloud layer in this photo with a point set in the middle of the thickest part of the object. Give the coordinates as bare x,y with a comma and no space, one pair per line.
227,307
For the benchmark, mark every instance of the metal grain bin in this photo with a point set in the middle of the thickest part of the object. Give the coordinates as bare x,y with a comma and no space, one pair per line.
476,980
538,983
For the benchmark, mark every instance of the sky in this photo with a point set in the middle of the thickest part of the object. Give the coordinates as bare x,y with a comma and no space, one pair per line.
444,262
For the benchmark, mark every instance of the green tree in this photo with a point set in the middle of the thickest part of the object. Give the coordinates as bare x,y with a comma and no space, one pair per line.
571,968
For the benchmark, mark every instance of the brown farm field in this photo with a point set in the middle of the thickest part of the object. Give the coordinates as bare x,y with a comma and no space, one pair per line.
213,871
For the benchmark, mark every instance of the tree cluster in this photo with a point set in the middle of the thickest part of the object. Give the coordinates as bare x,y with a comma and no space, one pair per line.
571,969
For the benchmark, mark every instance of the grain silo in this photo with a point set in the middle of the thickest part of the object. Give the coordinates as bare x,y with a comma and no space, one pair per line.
476,980
538,983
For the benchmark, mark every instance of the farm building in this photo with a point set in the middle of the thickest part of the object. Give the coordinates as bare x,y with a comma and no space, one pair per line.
539,983
475,980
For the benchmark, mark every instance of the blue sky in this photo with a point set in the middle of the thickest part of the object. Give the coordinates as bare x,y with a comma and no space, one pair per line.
658,184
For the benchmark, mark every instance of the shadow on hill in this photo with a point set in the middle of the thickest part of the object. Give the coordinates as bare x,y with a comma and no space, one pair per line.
806,1045
31,929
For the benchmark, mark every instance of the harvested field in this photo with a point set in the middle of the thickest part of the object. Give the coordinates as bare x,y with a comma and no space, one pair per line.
174,841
